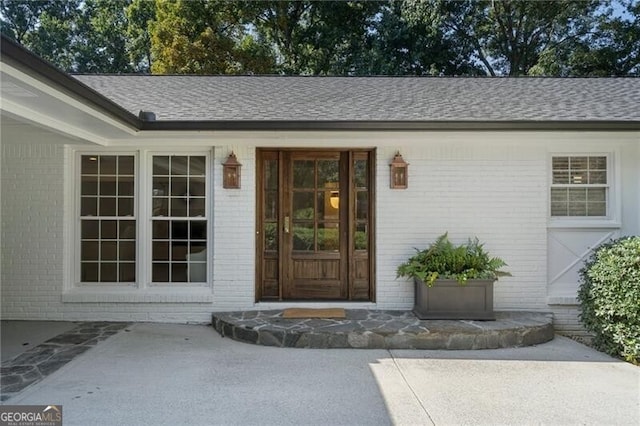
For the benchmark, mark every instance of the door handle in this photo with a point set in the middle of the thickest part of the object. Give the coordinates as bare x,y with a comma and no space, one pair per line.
286,224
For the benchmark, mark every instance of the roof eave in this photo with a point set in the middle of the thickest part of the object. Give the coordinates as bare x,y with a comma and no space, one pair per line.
17,56
326,125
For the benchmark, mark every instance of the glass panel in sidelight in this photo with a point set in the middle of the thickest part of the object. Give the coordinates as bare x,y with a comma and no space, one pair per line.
361,173
270,236
361,236
271,205
271,174
362,205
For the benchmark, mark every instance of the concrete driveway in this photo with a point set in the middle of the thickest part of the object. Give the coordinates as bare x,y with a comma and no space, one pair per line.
168,374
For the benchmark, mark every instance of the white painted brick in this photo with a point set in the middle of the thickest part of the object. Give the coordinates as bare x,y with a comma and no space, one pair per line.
467,184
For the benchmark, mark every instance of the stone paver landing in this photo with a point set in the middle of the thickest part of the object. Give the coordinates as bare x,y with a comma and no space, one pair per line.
372,329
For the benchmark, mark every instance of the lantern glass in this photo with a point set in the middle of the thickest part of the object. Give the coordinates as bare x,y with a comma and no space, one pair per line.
231,172
399,173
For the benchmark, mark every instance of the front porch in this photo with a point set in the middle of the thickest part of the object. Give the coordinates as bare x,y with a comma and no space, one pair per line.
378,329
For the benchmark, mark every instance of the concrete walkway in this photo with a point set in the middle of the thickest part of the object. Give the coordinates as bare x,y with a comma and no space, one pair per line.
17,337
167,374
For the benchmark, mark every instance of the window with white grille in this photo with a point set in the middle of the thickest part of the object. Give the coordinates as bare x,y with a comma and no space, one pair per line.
579,186
107,219
179,221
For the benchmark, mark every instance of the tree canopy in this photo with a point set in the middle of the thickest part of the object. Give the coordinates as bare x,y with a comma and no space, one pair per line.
304,37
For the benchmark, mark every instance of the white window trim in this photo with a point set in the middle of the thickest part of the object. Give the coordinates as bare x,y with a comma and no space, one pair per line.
614,207
142,291
147,181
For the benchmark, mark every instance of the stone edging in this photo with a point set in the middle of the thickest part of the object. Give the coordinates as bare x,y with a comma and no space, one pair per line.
37,363
365,329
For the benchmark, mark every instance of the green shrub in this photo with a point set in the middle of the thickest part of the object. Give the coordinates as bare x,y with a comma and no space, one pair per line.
442,259
609,296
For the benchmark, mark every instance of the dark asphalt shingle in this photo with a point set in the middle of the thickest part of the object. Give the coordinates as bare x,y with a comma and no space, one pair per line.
193,98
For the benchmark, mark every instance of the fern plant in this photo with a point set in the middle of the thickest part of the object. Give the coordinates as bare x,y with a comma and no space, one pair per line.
444,260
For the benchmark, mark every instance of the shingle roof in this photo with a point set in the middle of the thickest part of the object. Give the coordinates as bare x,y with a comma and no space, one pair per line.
238,98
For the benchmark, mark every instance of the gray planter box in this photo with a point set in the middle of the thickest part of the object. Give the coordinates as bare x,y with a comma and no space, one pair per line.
448,299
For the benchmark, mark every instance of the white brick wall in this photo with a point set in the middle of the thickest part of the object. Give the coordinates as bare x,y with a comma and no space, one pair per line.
566,321
32,188
489,185
496,193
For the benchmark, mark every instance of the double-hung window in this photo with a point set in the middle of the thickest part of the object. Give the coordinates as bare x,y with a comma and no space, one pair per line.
107,219
116,192
179,223
580,186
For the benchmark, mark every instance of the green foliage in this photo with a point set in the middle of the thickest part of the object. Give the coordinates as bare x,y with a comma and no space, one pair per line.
443,259
204,37
507,36
609,296
140,14
381,37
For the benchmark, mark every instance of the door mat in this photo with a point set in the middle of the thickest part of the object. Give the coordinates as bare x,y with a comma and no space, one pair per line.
313,313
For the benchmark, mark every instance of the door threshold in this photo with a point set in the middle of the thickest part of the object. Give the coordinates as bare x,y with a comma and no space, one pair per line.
315,304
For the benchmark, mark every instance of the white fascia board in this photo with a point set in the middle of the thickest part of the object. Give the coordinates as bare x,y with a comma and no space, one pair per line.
38,119
64,98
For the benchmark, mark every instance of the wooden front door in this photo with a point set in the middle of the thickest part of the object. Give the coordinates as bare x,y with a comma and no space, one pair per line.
314,227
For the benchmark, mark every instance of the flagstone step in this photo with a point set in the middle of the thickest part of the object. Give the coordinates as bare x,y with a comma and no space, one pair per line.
373,329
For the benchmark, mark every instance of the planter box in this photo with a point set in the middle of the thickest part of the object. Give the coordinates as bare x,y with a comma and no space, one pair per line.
447,299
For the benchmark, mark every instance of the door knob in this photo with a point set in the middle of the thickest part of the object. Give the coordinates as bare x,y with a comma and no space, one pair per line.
286,224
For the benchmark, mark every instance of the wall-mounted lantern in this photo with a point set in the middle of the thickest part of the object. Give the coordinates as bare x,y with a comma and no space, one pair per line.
399,172
231,172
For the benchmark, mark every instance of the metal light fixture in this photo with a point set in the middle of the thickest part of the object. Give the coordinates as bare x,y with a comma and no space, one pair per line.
231,172
399,172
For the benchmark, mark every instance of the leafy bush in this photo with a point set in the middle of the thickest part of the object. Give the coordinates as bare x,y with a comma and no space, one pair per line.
444,260
609,296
